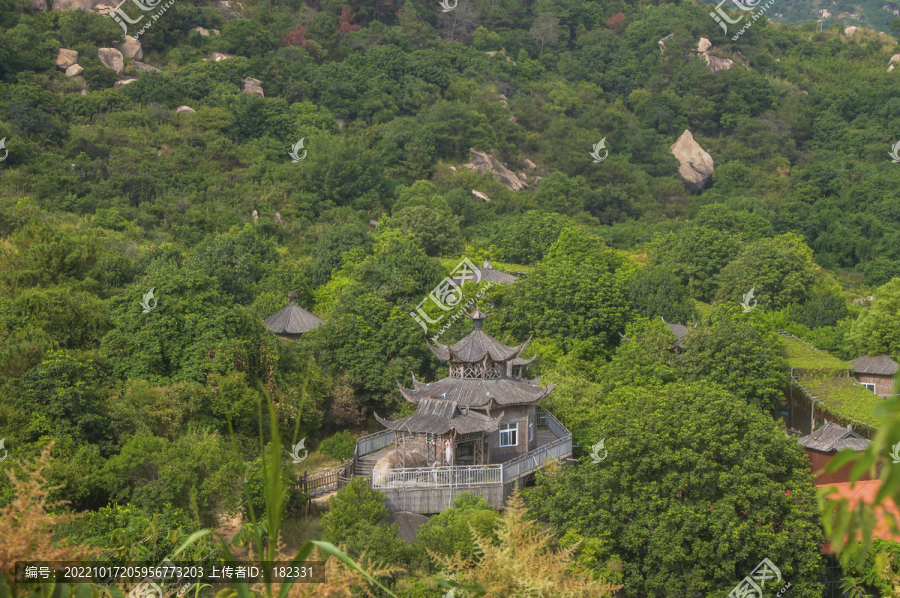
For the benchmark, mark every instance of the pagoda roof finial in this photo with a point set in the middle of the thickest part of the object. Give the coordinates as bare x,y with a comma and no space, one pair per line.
478,317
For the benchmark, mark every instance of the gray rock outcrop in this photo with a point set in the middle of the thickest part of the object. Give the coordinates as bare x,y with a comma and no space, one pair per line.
483,163
185,110
66,58
696,165
480,195
131,48
252,85
124,82
112,59
145,67
74,70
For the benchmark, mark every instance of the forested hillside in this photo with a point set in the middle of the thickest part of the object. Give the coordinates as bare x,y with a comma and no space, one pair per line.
155,210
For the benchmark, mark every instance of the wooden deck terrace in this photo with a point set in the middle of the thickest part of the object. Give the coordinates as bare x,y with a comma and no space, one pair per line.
432,489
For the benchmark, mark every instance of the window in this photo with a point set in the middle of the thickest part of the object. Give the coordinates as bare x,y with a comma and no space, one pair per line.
530,428
508,433
869,386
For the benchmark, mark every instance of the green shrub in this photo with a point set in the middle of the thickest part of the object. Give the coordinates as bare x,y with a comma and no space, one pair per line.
294,501
340,446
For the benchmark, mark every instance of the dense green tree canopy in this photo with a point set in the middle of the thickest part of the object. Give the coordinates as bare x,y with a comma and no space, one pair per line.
696,485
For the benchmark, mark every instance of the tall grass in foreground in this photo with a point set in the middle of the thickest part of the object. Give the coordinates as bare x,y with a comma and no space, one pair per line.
26,529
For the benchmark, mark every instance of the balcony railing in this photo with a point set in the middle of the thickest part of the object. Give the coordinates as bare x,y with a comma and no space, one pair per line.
374,442
434,477
474,475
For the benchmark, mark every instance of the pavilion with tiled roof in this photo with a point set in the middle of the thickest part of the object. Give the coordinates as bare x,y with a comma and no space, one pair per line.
482,412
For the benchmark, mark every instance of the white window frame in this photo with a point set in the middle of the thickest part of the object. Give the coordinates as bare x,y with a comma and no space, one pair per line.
530,428
509,431
869,385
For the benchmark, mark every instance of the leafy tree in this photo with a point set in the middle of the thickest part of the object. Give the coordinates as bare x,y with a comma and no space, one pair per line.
193,331
437,232
748,226
373,343
778,273
576,292
561,194
609,204
247,38
739,353
656,292
877,329
255,495
195,471
696,254
419,194
527,238
719,478
67,389
352,521
238,260
451,532
329,249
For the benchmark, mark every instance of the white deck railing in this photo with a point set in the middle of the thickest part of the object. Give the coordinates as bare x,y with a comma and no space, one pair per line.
432,477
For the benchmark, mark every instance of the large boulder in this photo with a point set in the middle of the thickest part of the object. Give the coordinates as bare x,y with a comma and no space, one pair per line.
252,85
480,195
715,64
124,82
201,30
482,163
112,59
66,58
145,67
696,165
849,31
530,164
74,70
132,48
408,524
185,110
40,5
217,56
